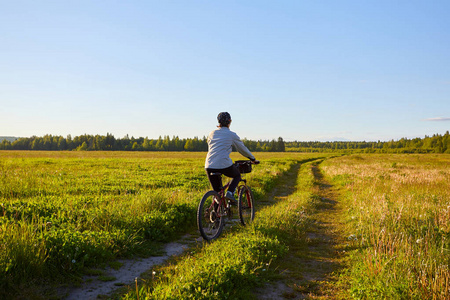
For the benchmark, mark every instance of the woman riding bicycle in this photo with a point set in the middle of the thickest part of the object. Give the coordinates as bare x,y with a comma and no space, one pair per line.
220,142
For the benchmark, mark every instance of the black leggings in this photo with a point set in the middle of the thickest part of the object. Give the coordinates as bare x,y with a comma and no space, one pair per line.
216,181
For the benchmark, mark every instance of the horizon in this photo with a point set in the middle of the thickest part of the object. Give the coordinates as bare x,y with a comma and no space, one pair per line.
173,136
305,71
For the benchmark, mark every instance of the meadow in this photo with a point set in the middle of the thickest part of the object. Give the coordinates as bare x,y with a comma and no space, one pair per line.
63,213
66,213
397,214
235,266
394,213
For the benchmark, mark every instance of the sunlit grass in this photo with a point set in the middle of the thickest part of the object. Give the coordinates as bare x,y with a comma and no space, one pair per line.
398,214
64,212
234,265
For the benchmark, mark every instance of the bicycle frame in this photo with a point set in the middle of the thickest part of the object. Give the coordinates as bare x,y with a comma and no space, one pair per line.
223,200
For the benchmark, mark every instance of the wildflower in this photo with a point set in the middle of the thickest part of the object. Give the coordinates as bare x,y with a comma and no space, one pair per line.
352,237
74,261
418,241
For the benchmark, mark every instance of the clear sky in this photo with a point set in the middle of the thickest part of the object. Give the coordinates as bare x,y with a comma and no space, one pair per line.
302,70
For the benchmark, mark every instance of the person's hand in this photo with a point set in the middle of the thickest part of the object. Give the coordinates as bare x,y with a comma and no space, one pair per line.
255,162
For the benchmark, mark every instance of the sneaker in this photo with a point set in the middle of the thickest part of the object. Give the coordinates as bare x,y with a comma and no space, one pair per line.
230,197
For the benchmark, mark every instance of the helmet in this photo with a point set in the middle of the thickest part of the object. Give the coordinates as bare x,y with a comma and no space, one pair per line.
224,119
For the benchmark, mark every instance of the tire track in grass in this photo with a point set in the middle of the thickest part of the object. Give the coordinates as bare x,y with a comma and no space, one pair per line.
95,287
199,262
285,187
310,270
325,244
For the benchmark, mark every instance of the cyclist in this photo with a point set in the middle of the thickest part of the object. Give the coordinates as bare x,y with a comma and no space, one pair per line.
220,142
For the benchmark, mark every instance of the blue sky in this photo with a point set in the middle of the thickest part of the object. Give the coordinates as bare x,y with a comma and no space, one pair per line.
302,70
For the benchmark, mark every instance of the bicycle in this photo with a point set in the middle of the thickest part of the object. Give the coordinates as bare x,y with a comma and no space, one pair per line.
214,206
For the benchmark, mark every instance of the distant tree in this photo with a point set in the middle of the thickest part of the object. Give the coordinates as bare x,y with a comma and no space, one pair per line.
189,146
166,144
36,144
146,144
5,145
178,144
135,146
62,143
280,145
83,147
159,144
109,142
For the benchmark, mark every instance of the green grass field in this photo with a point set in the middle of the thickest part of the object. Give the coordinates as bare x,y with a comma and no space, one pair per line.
64,213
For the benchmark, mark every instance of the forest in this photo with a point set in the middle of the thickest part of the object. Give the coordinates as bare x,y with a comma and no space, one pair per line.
109,142
429,144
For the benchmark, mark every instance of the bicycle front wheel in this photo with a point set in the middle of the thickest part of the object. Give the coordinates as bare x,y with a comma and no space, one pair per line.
246,205
210,218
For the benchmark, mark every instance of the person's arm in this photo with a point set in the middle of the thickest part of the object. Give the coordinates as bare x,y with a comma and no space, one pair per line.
242,149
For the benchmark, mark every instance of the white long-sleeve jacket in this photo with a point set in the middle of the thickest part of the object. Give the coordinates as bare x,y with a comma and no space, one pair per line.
220,142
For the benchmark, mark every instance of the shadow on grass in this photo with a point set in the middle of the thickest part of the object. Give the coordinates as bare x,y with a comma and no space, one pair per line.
321,254
309,270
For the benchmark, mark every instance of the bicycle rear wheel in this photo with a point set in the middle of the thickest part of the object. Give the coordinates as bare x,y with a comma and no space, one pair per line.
246,205
210,218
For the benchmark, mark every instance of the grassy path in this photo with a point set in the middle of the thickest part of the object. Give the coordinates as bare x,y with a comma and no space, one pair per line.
243,258
309,271
300,248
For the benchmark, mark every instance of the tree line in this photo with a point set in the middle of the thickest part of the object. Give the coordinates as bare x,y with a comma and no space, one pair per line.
110,143
429,144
